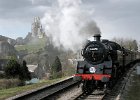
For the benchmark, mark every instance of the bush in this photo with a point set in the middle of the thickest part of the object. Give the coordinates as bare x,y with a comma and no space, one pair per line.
56,75
2,75
56,69
12,70
24,72
9,83
15,70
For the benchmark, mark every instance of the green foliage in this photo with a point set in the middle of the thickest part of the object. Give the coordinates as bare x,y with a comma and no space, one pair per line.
12,69
56,68
24,73
15,70
55,75
9,83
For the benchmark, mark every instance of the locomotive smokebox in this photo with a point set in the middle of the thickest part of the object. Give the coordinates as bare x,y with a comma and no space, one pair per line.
97,37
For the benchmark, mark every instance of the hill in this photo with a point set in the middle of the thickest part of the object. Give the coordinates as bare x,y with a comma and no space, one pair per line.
33,46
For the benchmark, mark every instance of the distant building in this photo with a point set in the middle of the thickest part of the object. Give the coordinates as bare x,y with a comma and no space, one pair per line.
36,29
36,71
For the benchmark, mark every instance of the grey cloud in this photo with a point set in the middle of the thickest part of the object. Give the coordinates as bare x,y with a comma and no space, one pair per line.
118,9
43,2
22,9
123,14
13,4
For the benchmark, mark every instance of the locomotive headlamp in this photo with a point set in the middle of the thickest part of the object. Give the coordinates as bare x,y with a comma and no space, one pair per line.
92,69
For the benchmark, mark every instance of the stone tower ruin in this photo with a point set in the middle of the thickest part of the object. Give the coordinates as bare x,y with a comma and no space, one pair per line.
36,28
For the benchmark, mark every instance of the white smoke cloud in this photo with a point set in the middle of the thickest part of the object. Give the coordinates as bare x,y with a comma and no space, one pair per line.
69,24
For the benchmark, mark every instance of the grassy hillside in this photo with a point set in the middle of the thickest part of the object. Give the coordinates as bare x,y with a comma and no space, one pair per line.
33,46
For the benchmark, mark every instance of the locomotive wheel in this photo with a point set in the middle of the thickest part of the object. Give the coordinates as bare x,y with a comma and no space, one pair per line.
114,72
110,84
88,87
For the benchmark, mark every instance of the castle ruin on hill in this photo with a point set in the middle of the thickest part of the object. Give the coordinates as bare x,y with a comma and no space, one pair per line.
36,28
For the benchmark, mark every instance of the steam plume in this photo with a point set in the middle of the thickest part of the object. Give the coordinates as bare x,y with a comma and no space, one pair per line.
69,24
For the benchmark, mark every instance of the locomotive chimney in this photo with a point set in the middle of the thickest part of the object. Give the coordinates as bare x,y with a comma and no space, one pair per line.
97,37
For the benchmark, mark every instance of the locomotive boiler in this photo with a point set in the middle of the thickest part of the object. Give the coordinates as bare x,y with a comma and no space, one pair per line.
104,61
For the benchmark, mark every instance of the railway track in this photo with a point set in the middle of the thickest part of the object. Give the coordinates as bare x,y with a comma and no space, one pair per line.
47,93
95,95
113,94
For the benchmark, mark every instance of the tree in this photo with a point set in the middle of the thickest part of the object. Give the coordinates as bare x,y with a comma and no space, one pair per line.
15,70
135,45
127,43
24,72
12,70
56,68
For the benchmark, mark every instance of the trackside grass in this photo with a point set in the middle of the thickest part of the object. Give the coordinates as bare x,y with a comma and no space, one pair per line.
6,93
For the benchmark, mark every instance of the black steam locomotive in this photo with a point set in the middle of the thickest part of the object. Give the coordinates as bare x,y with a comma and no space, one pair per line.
104,61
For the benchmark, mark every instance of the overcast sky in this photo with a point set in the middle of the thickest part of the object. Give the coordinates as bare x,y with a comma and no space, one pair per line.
115,18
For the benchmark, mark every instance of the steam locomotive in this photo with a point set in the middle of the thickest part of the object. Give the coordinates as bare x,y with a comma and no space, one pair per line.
104,62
